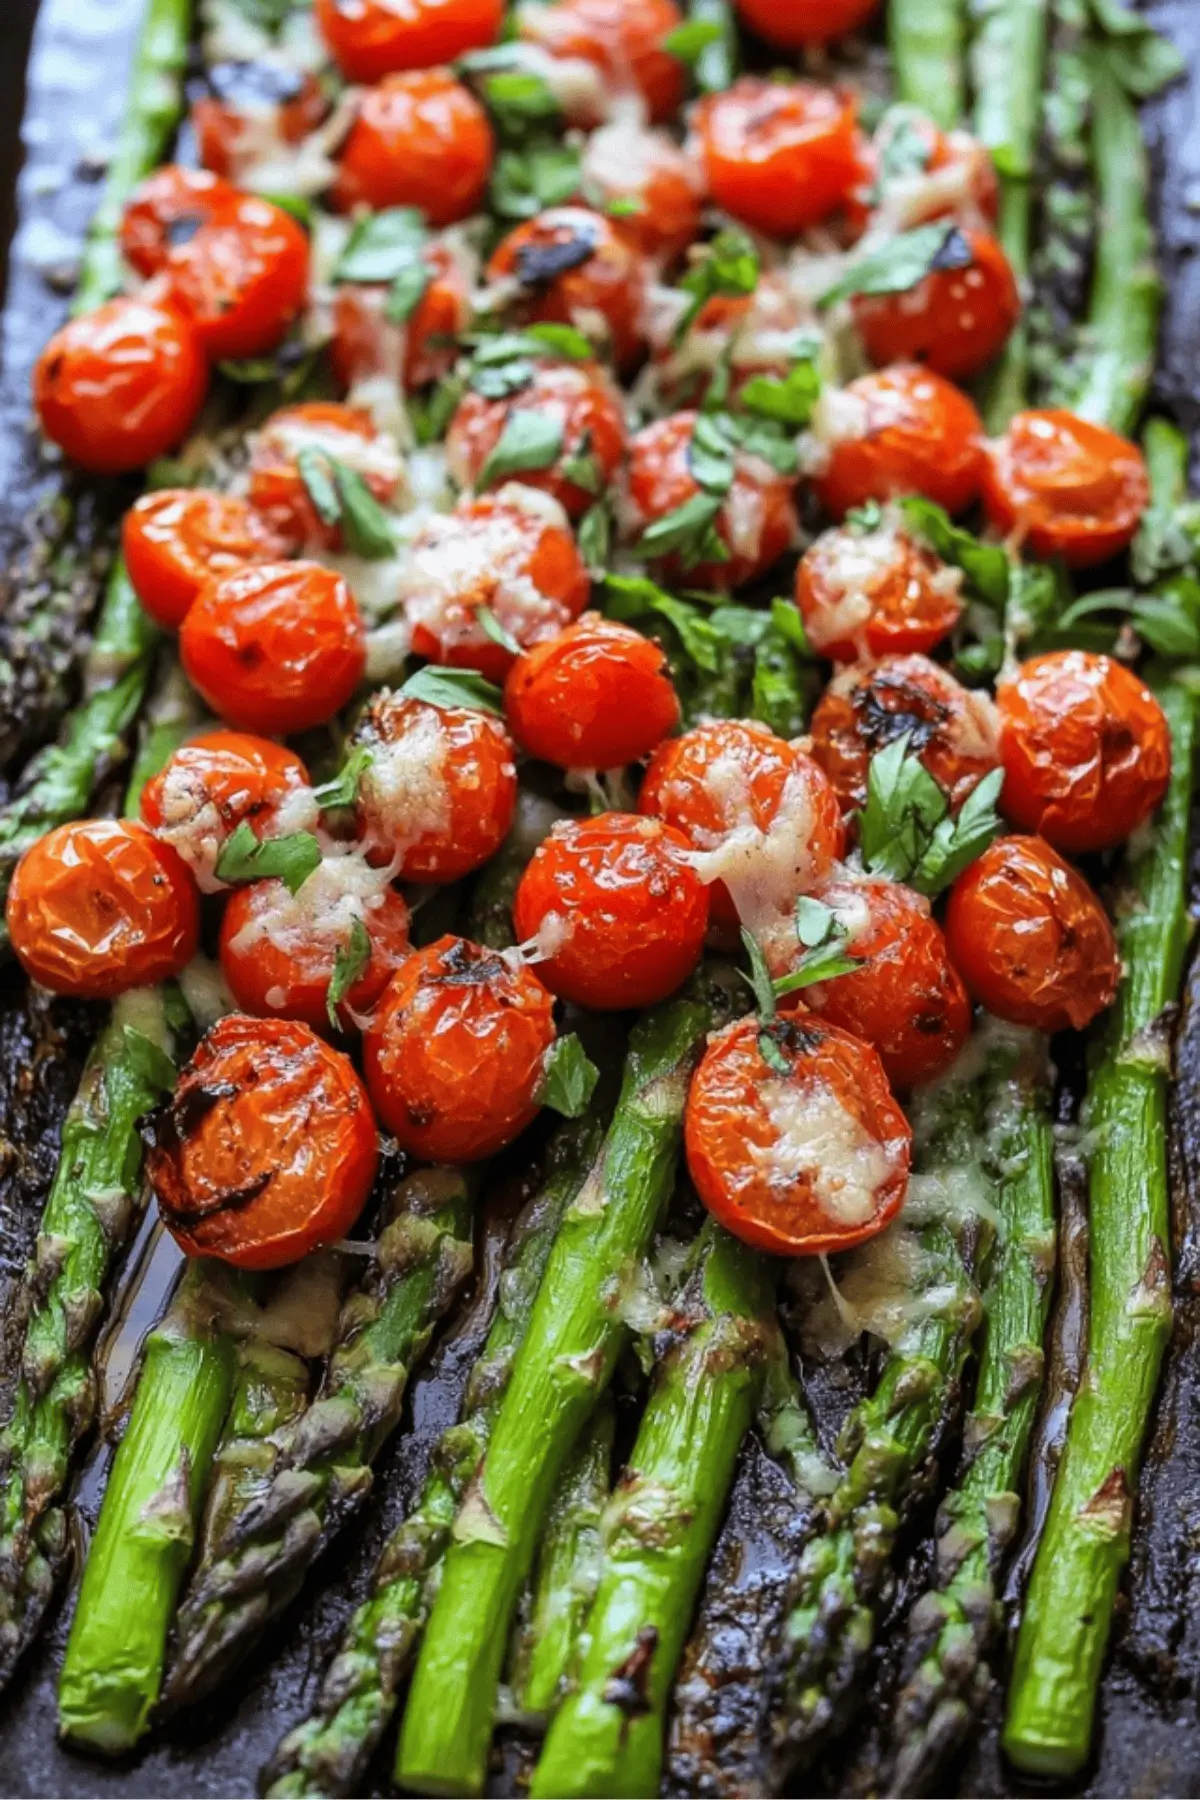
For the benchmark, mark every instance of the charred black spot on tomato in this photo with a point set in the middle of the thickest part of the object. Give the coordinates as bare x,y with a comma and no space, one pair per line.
465,965
228,1200
887,708
540,263
182,230
170,1125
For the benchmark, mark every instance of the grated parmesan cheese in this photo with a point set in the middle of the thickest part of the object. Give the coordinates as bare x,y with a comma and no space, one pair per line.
818,1141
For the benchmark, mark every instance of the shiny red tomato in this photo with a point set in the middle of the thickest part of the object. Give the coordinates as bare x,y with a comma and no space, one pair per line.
175,538
274,647
576,397
801,23
253,110
618,910
513,553
901,431
597,696
952,729
622,39
344,436
778,155
419,139
373,38
422,349
1030,938
802,1163
1086,750
876,592
655,184
119,386
267,1149
572,267
208,787
1065,487
100,906
956,320
438,795
456,1054
242,279
167,209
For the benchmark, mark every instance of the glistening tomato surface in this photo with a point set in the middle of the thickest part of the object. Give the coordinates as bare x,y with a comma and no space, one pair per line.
267,1149
779,155
898,431
209,786
120,385
578,398
1067,487
875,592
597,696
456,1053
243,279
618,909
805,22
572,267
1086,750
1030,938
417,350
956,320
373,38
274,648
167,209
175,539
340,436
420,139
622,38
100,906
799,1163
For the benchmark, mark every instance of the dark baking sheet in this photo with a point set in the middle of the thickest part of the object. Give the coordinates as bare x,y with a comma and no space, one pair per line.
1150,1737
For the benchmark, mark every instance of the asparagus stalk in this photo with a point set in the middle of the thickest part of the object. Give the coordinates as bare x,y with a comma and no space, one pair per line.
319,1466
607,1737
1062,256
926,41
951,1627
173,715
1085,1544
114,1661
563,1367
327,1753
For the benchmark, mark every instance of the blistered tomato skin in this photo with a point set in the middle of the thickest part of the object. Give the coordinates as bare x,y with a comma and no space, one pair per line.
572,267
813,22
268,1147
623,39
420,139
348,434
166,209
956,320
769,1185
209,786
1030,938
438,796
100,906
865,708
904,430
243,279
875,593
120,385
1086,750
596,697
175,539
1065,487
274,648
907,999
780,156
456,1052
621,911
421,349
578,397
370,38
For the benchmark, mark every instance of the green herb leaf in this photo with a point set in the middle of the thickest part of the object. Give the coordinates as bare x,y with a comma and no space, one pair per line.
689,530
772,1055
248,371
816,923
633,596
365,525
519,101
595,537
729,266
766,439
986,566
290,859
787,399
688,42
1142,60
906,831
759,978
491,627
530,440
297,206
865,518
383,246
582,468
1169,619
454,687
904,146
624,206
823,964
710,453
715,67
527,180
569,1077
316,473
563,340
785,616
902,262
342,789
349,964
407,291
149,1061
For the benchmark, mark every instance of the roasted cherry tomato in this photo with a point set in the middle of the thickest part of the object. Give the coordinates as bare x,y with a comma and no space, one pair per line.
420,139
100,906
279,951
906,998
572,267
1065,487
956,320
779,155
597,696
209,786
656,186
618,910
875,592
802,1163
174,539
456,1053
242,279
796,25
512,553
578,398
1086,750
900,431
623,39
913,172
119,386
373,38
275,647
761,818
419,350
437,797
268,1147
341,436
253,113
167,209
754,334
756,522
1030,938
952,729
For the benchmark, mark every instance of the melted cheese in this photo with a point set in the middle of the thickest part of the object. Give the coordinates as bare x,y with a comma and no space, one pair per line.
453,568
343,888
817,1141
404,791
194,827
375,458
763,870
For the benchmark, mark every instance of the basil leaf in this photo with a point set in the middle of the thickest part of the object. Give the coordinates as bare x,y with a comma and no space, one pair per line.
825,963
866,518
383,246
714,68
530,440
342,788
316,473
491,627
906,830
688,529
454,687
785,616
765,439
518,99
248,370
759,978
564,340
688,42
624,206
957,842
582,467
902,262
149,1061
500,380
365,525
816,923
569,1077
407,291
710,454
633,596
290,859
729,266
595,537
770,1052
1169,620
986,566
787,399
348,965
525,181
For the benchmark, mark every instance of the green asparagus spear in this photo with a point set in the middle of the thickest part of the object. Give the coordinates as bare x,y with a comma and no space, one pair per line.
563,1367
1085,1544
113,1666
926,40
607,1737
173,714
328,1752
